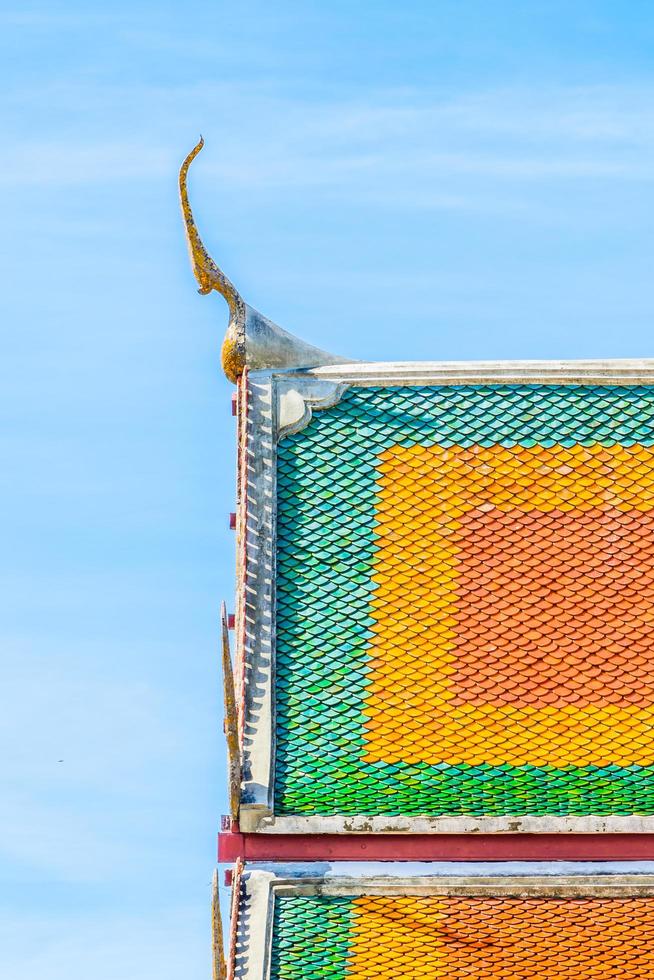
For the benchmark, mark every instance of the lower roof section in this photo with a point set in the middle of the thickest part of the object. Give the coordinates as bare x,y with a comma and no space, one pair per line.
411,920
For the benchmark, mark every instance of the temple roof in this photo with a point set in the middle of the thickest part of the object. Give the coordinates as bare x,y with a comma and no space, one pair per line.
464,573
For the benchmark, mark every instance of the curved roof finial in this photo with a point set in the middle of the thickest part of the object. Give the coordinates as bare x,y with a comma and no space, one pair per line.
210,277
251,340
207,273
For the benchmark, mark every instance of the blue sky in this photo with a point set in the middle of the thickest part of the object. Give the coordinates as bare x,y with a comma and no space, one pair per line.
391,181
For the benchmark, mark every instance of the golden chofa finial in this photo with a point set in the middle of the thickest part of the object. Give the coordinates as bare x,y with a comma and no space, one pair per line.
251,340
210,277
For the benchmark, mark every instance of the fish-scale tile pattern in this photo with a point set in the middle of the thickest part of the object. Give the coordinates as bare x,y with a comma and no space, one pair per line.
521,582
456,938
310,938
464,584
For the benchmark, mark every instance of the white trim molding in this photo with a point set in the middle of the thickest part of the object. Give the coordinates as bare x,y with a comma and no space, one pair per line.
340,824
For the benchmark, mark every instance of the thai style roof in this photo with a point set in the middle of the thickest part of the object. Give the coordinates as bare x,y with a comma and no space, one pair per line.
446,582
443,627
460,611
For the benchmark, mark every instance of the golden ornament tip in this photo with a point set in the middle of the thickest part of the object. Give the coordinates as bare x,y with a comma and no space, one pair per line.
210,277
251,339
207,273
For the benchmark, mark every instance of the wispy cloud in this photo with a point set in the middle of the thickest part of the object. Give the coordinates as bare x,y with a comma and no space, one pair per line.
392,146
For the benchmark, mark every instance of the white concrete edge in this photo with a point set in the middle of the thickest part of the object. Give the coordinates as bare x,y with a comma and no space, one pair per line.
556,885
339,824
602,370
254,925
